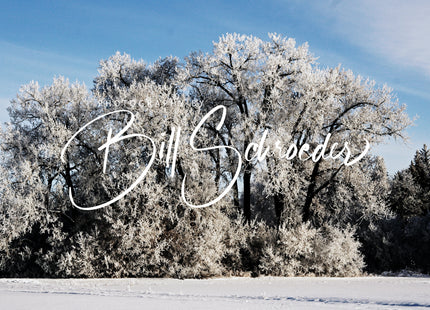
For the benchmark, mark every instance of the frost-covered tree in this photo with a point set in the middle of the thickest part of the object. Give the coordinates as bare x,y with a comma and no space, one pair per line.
410,192
357,197
420,171
120,71
275,85
148,233
34,206
400,239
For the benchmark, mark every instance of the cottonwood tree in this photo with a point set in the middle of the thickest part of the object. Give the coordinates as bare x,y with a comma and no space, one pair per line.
120,71
276,85
34,199
245,73
148,233
123,83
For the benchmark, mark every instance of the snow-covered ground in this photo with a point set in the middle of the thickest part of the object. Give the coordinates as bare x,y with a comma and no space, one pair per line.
223,293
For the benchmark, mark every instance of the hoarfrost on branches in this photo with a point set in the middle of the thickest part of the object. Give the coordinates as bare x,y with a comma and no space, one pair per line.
283,217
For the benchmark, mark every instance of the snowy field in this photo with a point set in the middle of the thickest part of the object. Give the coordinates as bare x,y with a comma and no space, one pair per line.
223,293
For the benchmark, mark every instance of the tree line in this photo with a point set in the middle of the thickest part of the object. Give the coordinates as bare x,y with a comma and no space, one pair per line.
281,217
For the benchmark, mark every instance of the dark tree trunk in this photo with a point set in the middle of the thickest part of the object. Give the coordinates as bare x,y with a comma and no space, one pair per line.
247,193
278,201
310,194
236,195
68,178
278,198
217,168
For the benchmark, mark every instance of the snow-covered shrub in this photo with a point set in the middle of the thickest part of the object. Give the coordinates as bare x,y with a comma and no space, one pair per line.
199,243
193,244
305,250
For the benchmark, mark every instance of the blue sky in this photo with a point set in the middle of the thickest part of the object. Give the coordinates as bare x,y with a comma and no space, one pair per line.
388,41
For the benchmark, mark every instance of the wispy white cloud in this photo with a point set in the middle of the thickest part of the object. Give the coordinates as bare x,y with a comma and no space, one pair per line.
412,91
397,30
